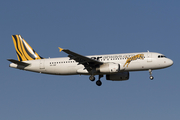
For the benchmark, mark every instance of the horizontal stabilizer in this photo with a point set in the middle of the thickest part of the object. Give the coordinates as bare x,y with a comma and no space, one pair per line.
18,62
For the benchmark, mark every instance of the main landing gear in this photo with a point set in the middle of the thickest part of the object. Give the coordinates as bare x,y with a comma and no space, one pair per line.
98,82
92,78
150,72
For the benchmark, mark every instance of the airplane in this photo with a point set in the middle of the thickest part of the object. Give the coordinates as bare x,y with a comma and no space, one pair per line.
116,67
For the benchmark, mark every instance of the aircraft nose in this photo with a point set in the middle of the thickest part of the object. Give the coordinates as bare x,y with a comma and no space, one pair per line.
169,62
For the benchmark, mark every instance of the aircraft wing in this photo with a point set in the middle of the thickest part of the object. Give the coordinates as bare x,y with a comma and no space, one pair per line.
86,61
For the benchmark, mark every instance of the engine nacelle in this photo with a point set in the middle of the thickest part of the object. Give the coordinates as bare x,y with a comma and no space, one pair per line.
118,76
109,68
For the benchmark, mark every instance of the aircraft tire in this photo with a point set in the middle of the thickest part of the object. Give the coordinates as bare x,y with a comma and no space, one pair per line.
98,83
92,78
151,77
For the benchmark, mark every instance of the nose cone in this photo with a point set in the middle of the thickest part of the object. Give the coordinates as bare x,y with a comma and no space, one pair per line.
169,62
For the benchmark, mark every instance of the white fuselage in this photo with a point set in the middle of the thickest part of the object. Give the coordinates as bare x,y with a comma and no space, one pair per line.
65,66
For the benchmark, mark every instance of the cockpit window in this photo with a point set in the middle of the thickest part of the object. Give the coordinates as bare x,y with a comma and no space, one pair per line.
161,56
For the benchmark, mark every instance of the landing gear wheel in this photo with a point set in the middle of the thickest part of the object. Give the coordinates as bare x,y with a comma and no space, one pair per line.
92,78
150,73
98,83
151,77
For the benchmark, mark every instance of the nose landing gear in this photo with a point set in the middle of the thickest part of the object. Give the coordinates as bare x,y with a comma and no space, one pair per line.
150,72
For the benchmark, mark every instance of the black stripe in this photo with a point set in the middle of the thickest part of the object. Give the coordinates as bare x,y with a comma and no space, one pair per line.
22,48
41,57
31,55
17,49
19,56
16,43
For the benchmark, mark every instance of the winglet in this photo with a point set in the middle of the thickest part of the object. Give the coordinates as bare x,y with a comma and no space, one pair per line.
60,49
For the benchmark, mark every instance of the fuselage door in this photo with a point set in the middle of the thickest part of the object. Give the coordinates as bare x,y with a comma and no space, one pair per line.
149,57
41,65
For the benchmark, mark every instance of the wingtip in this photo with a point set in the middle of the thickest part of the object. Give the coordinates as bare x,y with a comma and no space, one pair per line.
60,49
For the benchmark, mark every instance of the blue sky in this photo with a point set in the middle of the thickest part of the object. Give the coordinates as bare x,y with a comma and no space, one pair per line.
88,28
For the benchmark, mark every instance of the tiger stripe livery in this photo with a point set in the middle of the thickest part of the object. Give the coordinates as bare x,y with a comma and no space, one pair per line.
23,50
116,67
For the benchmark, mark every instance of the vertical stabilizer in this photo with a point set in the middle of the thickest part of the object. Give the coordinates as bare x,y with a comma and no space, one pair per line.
23,50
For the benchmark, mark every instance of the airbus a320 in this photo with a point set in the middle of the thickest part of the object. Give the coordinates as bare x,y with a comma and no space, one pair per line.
115,67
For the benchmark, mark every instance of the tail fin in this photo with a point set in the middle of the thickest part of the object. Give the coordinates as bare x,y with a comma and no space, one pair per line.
23,50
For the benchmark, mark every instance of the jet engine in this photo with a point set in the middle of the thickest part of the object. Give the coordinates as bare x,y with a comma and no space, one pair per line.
121,76
109,68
